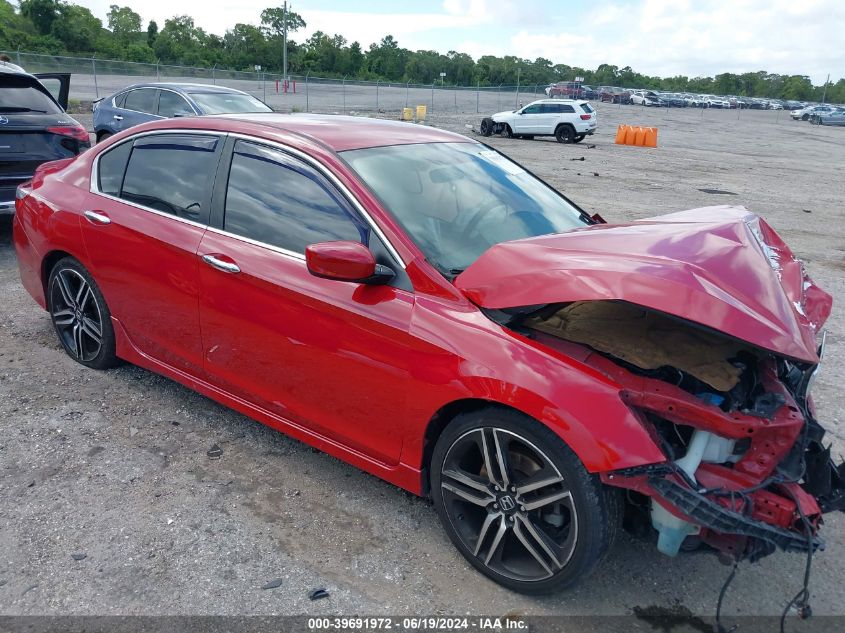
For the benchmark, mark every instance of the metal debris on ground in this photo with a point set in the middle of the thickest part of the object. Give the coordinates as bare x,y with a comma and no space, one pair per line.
318,594
718,192
215,452
272,584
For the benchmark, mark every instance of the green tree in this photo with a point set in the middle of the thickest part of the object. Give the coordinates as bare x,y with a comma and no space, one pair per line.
124,23
152,33
77,28
274,20
42,13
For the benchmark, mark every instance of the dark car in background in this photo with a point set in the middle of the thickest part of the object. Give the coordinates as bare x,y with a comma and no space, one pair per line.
34,127
614,94
147,102
674,100
572,90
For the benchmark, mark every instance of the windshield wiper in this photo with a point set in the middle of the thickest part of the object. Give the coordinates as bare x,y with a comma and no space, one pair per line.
14,109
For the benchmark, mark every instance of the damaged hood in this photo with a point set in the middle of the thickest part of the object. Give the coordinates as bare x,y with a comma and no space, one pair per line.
722,267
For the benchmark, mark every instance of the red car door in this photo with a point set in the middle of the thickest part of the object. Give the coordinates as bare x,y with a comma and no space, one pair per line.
328,355
143,223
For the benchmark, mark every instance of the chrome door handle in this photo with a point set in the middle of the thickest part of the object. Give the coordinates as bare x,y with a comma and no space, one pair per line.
95,217
219,264
117,117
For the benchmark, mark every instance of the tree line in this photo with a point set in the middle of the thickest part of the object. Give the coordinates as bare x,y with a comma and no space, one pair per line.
58,27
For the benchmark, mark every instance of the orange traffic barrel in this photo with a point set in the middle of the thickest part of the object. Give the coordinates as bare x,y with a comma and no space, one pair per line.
651,137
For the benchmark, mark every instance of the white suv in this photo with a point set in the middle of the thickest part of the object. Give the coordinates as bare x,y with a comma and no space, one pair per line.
568,120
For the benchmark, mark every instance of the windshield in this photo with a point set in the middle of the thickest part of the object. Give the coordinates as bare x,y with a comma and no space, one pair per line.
228,102
19,94
456,200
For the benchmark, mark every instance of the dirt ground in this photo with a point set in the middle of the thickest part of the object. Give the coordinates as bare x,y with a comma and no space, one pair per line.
113,466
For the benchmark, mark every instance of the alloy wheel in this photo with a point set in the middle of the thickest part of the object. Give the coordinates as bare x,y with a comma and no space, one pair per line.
509,504
76,314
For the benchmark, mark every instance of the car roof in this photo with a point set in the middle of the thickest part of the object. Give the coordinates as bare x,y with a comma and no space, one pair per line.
559,101
184,87
341,133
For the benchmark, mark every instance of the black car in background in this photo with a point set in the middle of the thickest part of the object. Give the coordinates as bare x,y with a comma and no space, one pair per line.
34,127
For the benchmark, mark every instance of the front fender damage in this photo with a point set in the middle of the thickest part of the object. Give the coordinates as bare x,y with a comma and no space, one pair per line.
746,470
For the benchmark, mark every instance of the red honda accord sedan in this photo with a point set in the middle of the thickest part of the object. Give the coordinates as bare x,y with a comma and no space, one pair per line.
419,305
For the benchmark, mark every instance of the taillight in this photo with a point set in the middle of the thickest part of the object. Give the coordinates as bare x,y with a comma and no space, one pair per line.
586,117
76,132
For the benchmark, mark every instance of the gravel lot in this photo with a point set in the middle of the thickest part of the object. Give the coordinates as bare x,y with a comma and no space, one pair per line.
113,464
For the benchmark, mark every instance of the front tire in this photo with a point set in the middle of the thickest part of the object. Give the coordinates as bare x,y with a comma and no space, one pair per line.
518,503
486,126
80,315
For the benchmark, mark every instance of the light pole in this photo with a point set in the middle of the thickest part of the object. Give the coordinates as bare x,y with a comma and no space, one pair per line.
518,69
285,42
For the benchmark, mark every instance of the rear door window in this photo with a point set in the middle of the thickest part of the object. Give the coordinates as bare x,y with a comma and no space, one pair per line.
23,94
142,100
173,174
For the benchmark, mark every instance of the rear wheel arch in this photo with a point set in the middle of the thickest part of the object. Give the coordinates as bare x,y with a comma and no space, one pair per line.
48,263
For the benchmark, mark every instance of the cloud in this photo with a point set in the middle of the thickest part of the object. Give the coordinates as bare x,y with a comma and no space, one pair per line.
702,38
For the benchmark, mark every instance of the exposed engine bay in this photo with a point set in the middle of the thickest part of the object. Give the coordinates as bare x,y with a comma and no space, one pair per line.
746,471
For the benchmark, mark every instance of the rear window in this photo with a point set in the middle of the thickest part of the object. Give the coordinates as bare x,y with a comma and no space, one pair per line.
586,107
24,94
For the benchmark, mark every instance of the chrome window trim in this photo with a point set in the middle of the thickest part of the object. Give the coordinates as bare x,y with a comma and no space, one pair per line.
324,171
269,247
94,184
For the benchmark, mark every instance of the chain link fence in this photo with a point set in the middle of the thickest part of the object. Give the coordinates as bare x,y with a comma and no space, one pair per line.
95,78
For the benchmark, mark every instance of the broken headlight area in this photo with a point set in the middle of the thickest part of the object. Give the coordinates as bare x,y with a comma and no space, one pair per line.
746,471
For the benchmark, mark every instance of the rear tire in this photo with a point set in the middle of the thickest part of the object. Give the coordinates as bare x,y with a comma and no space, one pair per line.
80,315
530,538
564,134
579,137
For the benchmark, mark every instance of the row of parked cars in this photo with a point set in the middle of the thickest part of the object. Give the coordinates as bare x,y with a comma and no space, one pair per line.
820,114
615,94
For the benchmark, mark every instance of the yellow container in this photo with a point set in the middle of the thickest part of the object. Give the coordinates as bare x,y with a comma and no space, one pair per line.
407,114
420,113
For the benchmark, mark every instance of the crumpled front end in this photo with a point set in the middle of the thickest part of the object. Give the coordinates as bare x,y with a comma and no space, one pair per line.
711,327
747,471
